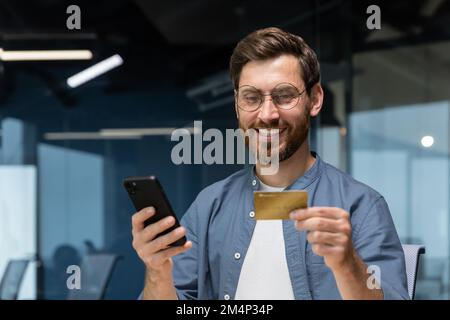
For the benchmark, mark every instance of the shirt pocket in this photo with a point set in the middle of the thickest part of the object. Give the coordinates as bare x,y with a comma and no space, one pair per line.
321,280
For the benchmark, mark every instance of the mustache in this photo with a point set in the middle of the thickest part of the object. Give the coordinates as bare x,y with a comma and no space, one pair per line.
263,125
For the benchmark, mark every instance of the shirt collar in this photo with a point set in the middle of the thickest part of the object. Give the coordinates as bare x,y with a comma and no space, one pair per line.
301,183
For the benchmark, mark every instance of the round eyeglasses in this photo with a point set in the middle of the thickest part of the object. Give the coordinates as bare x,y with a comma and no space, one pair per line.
285,96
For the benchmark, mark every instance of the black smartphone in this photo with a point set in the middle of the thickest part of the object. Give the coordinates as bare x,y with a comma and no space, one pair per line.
148,192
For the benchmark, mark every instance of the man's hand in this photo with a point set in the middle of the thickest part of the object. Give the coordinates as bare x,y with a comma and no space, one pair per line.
329,233
156,253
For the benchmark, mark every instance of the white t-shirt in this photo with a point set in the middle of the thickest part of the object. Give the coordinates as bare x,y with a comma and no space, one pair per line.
264,274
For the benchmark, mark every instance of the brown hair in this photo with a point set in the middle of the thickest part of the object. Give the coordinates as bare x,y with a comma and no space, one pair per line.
270,43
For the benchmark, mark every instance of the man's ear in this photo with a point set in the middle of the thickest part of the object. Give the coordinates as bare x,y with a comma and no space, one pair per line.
316,100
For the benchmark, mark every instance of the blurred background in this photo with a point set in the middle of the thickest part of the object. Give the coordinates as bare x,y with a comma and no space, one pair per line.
66,145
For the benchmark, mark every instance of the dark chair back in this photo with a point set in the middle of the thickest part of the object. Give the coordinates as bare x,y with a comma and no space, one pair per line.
95,271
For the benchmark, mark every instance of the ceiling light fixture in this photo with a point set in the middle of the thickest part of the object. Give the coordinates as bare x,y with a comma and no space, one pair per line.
95,71
45,55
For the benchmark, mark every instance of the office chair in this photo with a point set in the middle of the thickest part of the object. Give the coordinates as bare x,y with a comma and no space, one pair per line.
96,270
412,254
12,279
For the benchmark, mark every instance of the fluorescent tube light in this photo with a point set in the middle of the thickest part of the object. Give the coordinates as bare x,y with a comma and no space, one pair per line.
45,55
85,136
95,71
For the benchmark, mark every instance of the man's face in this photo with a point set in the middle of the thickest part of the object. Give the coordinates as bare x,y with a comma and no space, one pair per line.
293,124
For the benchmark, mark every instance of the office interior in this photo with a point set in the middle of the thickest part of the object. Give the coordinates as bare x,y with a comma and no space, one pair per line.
66,145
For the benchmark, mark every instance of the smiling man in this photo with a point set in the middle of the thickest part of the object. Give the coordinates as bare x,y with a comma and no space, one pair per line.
323,252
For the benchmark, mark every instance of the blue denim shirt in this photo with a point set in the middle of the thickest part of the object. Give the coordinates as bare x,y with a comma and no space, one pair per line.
219,223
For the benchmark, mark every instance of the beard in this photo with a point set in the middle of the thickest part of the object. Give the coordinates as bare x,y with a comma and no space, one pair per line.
294,136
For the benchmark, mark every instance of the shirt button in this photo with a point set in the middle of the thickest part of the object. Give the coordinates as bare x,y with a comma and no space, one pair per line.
237,255
251,214
254,183
226,297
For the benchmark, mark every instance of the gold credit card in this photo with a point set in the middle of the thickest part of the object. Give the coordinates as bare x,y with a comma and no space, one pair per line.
278,205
